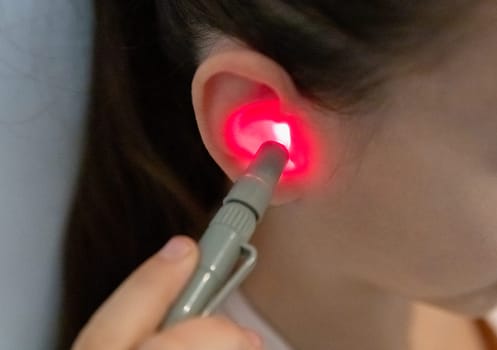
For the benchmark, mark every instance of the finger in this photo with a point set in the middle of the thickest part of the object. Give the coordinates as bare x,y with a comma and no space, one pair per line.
137,307
213,333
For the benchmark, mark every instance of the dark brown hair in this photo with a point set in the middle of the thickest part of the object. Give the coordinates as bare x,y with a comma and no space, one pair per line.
145,175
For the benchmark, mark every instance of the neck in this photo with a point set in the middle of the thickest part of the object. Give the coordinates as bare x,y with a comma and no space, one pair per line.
316,307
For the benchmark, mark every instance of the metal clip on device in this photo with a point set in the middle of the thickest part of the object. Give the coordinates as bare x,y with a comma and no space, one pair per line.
226,238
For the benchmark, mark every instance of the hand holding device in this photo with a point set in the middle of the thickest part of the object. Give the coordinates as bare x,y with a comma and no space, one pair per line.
130,317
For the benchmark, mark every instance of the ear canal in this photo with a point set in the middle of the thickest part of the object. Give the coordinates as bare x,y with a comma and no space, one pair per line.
252,124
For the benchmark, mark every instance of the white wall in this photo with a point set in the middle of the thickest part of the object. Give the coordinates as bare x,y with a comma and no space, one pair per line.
44,68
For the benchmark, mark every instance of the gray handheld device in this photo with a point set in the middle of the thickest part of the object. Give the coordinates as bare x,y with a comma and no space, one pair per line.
226,238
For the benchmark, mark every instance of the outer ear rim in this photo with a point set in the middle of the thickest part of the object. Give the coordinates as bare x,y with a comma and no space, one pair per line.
254,67
245,64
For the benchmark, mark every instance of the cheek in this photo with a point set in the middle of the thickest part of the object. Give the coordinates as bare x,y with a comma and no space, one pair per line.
433,234
421,226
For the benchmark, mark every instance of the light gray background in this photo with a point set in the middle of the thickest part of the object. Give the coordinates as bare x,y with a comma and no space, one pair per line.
44,70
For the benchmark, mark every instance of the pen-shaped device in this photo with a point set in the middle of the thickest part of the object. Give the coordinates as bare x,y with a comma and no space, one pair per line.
226,238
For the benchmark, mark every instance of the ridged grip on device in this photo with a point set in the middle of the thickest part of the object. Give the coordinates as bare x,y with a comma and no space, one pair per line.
220,250
229,231
236,215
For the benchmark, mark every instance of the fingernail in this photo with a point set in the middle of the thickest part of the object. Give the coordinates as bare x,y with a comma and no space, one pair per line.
176,248
254,338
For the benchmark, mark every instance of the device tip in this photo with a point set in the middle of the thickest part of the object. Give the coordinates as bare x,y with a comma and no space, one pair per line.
269,162
255,187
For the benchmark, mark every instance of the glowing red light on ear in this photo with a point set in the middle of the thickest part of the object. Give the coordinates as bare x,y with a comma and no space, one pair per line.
248,127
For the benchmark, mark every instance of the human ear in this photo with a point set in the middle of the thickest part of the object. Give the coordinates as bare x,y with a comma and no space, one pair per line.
226,81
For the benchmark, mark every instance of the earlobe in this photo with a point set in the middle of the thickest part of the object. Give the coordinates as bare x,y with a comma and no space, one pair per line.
241,97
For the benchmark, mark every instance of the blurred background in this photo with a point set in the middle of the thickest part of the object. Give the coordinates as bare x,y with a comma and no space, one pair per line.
45,47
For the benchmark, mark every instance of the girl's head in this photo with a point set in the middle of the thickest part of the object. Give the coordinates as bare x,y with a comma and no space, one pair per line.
400,102
399,97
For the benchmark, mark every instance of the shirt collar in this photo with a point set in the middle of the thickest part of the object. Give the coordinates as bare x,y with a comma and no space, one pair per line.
238,308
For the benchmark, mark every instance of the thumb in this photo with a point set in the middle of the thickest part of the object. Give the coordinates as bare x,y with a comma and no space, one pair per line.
137,307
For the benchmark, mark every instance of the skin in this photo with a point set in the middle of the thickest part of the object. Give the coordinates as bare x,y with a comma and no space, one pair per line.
130,317
401,208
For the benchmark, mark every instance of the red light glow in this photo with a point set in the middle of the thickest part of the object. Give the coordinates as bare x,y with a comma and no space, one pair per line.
248,127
